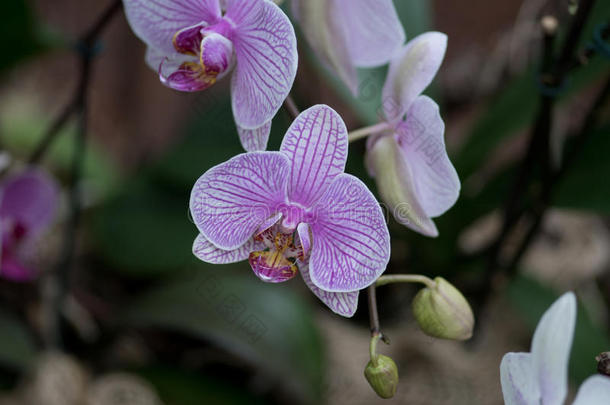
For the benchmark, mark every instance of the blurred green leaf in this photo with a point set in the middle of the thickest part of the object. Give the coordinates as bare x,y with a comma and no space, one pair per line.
586,184
532,299
179,387
17,32
266,324
17,348
145,230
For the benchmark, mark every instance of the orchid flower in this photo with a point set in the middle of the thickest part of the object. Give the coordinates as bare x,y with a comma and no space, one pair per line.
407,155
295,210
541,376
27,206
346,34
195,43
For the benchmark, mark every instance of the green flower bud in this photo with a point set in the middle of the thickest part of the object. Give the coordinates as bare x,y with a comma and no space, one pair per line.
443,312
383,377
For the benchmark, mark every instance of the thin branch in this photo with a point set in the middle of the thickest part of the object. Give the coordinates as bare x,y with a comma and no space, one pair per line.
291,107
56,286
85,44
404,278
366,131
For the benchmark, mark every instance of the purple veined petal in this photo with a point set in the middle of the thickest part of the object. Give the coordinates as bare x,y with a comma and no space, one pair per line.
519,384
254,139
230,201
30,200
341,303
351,242
551,347
396,185
157,21
304,232
326,34
411,71
11,269
373,30
266,52
421,138
316,144
204,250
594,391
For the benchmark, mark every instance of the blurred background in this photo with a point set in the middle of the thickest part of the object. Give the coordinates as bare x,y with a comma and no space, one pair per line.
142,321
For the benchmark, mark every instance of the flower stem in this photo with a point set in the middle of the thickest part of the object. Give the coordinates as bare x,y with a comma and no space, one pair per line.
405,278
291,107
373,348
366,131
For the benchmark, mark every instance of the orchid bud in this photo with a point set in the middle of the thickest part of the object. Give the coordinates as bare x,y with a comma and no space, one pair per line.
442,311
383,376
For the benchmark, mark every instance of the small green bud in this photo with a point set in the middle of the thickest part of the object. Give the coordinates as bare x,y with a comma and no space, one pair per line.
383,377
443,312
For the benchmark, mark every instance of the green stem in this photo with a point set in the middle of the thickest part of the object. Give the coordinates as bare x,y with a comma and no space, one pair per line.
405,278
373,348
366,131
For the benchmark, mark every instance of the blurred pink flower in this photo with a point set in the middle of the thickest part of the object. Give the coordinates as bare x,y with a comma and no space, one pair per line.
28,202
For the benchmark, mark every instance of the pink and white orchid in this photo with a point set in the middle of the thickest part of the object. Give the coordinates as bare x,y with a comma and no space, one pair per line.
408,157
541,376
27,206
295,210
194,43
346,34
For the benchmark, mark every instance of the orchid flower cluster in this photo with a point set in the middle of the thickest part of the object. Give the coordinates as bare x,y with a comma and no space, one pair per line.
296,210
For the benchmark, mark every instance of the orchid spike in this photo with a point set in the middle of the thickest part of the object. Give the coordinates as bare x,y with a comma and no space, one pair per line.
409,160
195,43
346,34
541,376
27,206
295,211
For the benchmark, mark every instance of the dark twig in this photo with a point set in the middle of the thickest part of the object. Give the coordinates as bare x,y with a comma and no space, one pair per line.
56,285
552,78
86,43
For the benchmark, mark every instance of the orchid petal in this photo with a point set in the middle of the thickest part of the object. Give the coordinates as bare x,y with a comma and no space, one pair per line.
230,201
207,252
351,242
156,22
30,199
594,391
396,185
551,349
254,139
519,385
341,303
304,232
327,36
266,52
411,71
421,138
316,144
373,30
